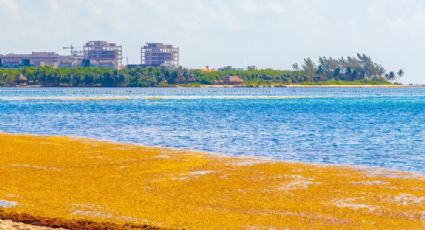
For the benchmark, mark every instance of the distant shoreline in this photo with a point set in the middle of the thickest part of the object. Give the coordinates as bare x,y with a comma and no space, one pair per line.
232,86
355,86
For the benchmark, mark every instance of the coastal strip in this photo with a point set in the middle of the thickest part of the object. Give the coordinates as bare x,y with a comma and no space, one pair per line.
22,221
390,86
10,225
73,181
65,98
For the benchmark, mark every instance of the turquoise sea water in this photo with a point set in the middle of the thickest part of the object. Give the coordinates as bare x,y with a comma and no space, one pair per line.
371,126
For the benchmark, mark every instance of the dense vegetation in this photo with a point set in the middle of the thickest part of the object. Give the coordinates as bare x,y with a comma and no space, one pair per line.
359,70
356,68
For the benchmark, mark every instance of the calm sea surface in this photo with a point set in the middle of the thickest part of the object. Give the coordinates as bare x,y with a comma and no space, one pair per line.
372,127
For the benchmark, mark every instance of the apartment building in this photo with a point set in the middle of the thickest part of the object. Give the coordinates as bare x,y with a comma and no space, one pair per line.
102,54
38,59
159,54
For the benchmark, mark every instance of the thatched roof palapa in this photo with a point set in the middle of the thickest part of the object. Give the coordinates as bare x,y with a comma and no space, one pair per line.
21,78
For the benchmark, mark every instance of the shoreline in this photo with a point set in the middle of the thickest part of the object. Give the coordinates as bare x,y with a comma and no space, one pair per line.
18,221
13,225
173,186
221,155
356,86
227,86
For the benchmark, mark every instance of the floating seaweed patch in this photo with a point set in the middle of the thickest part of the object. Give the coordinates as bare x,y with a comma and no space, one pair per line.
197,190
352,204
408,199
371,183
297,182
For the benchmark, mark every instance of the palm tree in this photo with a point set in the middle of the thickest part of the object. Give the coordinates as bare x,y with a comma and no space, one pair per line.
309,68
400,74
391,76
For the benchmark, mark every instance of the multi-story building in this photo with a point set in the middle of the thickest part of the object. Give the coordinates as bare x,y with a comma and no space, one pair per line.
159,54
102,54
39,59
50,59
16,60
70,60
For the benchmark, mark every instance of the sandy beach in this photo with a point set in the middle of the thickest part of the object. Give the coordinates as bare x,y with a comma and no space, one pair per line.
72,182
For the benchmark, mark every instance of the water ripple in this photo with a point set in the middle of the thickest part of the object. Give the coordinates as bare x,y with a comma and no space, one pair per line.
335,127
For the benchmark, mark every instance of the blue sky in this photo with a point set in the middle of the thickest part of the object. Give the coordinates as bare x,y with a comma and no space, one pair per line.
266,33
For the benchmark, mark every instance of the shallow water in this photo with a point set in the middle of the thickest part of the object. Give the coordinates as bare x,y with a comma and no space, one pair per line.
370,126
7,204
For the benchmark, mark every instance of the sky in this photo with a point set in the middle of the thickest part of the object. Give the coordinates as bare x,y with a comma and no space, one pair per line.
264,33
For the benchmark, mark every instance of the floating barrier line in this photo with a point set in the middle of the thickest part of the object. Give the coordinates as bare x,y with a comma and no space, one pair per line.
211,91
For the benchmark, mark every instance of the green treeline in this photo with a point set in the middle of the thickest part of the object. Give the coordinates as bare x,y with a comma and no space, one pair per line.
360,67
357,70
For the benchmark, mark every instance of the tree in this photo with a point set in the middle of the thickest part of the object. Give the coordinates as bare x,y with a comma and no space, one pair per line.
337,71
252,68
295,67
400,74
359,67
392,76
309,68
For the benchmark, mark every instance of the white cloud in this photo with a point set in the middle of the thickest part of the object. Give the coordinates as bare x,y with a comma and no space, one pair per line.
54,4
9,5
